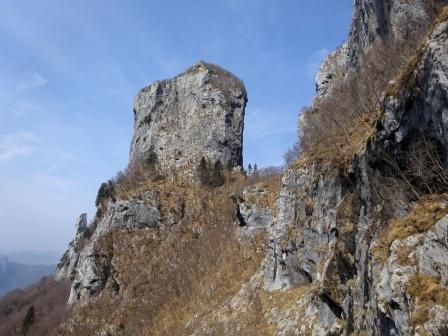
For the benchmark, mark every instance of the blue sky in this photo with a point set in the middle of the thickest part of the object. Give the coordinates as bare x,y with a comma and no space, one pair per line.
70,69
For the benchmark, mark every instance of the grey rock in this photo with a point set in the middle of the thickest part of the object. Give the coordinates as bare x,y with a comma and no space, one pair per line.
199,113
373,20
254,217
303,233
430,252
328,224
69,260
93,267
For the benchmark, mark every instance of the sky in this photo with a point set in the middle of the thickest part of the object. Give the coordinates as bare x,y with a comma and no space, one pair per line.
70,70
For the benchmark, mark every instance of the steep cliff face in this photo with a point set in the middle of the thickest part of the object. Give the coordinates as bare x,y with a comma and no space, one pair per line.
197,113
333,223
66,266
375,20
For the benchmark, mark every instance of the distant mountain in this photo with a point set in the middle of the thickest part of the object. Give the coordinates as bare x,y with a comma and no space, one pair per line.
32,257
14,275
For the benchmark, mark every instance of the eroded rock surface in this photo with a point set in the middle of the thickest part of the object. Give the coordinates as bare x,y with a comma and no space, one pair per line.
92,263
374,20
66,267
255,211
199,113
330,222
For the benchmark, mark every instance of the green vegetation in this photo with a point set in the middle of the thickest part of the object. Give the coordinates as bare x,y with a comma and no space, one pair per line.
105,192
210,176
152,159
29,320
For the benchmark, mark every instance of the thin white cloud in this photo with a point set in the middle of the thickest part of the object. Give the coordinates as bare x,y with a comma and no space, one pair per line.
36,80
263,122
316,60
16,145
51,181
15,88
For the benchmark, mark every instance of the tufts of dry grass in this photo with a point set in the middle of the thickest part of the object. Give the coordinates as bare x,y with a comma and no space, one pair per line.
160,279
426,292
339,125
422,217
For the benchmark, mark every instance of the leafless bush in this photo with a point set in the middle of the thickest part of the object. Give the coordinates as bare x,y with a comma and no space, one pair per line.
49,299
336,127
292,154
423,170
136,175
224,80
188,269
434,7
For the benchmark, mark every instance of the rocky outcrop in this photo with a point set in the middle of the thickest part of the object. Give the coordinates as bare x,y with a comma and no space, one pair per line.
297,252
90,264
199,113
66,267
417,258
255,212
331,222
374,20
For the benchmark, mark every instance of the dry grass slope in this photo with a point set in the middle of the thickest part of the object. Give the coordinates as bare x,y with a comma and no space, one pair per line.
49,299
161,279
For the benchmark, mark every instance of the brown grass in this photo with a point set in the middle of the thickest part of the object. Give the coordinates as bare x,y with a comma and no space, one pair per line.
339,125
422,217
49,299
425,291
337,146
161,278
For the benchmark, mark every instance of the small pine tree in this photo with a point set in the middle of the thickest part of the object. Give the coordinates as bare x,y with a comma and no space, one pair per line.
28,320
229,165
249,169
218,167
152,159
203,171
218,178
255,171
106,191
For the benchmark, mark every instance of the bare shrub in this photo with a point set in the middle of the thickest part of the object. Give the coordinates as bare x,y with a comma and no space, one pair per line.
421,167
137,174
292,154
48,300
224,80
336,127
188,270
